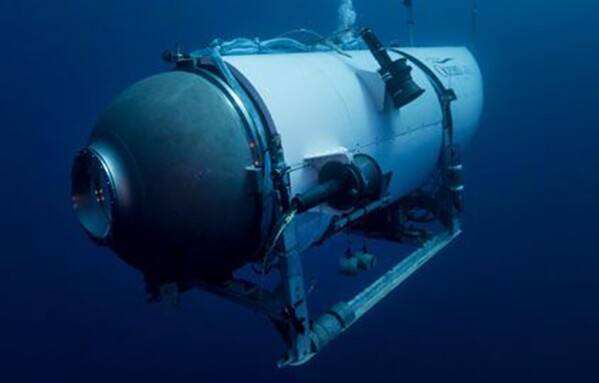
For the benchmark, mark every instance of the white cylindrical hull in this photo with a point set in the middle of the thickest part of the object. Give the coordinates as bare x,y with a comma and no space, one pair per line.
324,105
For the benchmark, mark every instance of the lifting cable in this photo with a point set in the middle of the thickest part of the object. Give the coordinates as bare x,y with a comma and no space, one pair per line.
474,24
410,13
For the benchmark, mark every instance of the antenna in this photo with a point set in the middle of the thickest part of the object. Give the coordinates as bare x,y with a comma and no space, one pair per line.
410,13
175,19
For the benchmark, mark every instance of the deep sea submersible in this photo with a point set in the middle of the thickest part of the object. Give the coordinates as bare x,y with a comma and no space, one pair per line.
253,152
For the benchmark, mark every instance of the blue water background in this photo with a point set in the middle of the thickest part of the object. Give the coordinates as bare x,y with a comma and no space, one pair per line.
514,300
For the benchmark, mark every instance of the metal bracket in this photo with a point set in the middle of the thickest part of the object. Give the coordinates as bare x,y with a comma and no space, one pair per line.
342,155
296,320
344,314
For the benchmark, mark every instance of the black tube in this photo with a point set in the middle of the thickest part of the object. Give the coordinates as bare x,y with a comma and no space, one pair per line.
318,194
376,48
396,74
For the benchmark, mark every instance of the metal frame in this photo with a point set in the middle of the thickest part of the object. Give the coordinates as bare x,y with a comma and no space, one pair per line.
287,306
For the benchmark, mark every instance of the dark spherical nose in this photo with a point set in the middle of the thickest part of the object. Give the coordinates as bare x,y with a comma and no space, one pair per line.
164,178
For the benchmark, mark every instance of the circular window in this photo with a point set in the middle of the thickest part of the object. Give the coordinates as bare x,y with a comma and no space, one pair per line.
92,192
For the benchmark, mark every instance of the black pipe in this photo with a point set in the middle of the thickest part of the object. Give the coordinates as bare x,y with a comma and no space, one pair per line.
318,194
396,74
376,48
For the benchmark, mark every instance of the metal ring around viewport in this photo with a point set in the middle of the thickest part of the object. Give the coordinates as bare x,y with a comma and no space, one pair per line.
93,194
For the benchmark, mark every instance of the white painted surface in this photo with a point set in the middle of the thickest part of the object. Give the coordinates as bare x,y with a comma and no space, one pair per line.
324,102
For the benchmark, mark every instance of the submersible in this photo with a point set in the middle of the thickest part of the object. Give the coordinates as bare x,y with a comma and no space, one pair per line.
254,152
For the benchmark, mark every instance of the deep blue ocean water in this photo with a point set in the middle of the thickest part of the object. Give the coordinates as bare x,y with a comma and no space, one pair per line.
515,299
